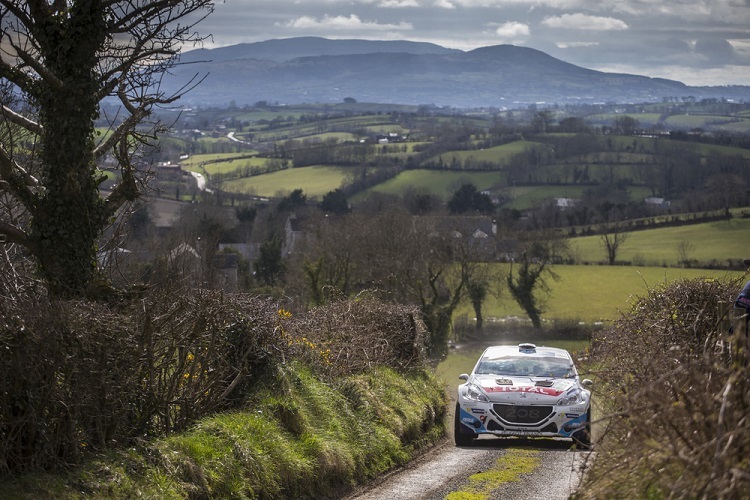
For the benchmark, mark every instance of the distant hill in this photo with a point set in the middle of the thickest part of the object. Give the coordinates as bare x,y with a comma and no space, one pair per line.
285,49
318,70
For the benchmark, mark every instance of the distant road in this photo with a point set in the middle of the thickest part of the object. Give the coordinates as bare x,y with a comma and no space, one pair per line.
200,181
231,137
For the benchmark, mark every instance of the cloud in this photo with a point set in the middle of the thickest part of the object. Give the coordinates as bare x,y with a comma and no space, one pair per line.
716,51
513,30
572,45
338,23
444,4
398,4
585,22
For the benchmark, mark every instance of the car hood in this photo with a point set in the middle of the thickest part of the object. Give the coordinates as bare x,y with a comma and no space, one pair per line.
524,389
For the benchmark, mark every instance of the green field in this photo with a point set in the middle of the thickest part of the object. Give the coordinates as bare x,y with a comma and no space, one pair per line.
719,241
195,162
229,166
499,155
592,293
315,181
441,183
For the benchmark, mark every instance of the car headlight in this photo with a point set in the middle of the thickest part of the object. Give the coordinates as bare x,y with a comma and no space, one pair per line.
573,397
474,393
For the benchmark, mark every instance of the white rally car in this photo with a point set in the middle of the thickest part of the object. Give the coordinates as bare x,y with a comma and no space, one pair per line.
526,391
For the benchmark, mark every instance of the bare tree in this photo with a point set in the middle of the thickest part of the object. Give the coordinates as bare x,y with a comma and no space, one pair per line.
413,260
684,251
612,242
727,190
534,259
60,59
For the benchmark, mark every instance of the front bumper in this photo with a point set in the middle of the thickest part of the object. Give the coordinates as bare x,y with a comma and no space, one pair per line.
537,420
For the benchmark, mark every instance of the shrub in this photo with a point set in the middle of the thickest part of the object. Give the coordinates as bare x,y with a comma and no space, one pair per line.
82,375
349,337
77,375
677,399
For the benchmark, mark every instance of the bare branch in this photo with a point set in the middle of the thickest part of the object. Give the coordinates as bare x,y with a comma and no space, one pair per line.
21,120
11,171
37,66
14,234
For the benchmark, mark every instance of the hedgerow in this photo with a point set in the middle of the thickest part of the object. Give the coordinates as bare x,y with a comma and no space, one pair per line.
676,391
80,376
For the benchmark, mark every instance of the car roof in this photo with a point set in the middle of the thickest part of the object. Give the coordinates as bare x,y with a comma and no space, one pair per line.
525,349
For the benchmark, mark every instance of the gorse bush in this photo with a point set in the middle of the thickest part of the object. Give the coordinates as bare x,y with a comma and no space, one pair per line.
677,393
80,375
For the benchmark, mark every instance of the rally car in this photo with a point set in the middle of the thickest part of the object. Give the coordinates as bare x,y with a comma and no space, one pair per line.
524,390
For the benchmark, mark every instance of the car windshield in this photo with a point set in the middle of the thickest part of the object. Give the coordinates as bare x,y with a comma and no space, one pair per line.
516,366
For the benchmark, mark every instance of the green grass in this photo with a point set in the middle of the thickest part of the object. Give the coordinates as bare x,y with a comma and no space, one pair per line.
589,293
229,166
510,467
499,155
195,162
710,241
300,438
441,183
740,127
315,181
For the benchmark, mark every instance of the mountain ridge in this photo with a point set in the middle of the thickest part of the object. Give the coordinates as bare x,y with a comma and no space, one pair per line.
320,70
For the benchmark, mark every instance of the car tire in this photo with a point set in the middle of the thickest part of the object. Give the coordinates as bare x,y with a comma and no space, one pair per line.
461,437
582,438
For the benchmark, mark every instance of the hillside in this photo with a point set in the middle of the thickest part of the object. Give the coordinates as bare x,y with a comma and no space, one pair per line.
304,70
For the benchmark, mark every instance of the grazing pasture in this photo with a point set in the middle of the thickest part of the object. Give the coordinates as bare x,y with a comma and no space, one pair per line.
591,293
441,183
315,181
706,242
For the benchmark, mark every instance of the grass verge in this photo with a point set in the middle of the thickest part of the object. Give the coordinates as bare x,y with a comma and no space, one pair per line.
299,437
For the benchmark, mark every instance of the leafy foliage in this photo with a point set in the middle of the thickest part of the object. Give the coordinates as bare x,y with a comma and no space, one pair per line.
335,202
468,199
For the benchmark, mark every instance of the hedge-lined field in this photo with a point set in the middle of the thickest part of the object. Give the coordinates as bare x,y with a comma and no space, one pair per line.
315,181
710,241
593,293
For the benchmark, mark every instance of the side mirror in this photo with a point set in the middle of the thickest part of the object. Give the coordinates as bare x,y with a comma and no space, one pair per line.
464,377
587,383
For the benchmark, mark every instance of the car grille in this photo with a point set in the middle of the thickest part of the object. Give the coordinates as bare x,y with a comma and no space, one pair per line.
522,414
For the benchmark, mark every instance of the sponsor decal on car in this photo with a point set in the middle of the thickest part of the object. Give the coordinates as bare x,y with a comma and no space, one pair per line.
477,410
547,391
518,433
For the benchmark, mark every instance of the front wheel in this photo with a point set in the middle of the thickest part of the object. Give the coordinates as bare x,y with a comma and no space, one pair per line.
461,437
582,438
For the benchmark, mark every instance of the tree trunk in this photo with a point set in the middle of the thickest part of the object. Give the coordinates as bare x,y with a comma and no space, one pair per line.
68,217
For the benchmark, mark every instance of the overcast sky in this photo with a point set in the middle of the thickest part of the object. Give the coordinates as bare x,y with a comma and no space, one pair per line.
698,42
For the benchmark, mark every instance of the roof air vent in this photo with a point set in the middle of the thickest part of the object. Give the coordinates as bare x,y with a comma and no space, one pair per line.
526,347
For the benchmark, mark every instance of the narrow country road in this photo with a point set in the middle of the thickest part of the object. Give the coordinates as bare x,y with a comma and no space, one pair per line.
492,468
554,472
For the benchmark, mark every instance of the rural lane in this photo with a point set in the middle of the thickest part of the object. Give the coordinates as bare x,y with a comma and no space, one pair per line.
446,468
548,469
